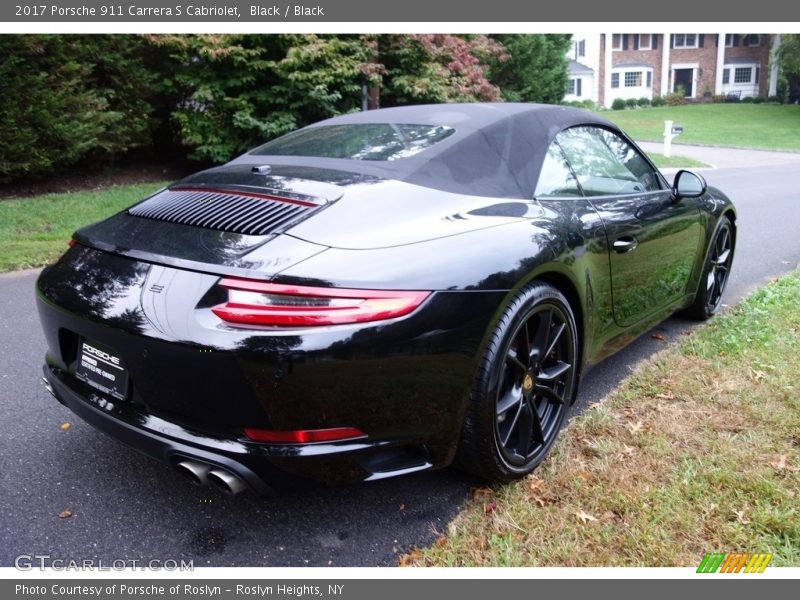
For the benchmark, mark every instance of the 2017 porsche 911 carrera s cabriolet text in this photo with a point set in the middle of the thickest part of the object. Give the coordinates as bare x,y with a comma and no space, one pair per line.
377,294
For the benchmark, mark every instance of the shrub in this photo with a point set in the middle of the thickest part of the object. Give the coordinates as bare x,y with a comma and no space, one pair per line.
732,98
719,98
630,102
759,100
748,99
643,101
774,99
675,99
589,104
657,101
68,99
618,104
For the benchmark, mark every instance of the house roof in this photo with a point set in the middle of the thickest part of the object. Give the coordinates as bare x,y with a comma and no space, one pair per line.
576,68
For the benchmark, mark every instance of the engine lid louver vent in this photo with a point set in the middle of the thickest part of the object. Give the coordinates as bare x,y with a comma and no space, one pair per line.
234,211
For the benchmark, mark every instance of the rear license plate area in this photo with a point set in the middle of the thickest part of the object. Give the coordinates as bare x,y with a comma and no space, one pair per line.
101,368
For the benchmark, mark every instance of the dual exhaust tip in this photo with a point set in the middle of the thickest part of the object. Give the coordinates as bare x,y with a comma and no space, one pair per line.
202,473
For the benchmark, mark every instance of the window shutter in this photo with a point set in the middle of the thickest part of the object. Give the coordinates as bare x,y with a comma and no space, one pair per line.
624,41
700,39
672,41
735,39
578,86
635,41
654,41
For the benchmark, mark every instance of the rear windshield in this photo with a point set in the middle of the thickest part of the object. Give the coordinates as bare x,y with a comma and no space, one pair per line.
364,141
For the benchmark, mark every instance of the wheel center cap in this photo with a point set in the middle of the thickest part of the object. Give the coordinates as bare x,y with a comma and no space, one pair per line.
527,382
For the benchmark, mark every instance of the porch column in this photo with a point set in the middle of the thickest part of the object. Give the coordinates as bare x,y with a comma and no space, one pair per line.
665,65
607,97
773,65
720,63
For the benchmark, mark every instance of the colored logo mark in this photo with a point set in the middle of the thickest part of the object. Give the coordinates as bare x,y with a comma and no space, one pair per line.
721,562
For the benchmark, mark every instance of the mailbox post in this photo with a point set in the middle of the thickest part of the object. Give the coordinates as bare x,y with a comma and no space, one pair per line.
670,131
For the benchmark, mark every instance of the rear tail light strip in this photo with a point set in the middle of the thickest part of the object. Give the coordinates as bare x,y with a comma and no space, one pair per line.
262,303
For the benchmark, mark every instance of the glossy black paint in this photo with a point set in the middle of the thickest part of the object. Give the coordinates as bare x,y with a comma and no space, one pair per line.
145,288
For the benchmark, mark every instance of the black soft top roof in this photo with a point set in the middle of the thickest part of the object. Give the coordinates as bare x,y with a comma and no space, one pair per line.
496,150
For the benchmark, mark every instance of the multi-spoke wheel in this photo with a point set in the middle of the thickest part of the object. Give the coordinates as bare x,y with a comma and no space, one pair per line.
716,272
524,387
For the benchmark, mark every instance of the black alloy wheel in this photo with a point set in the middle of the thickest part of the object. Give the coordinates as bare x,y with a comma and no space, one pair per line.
524,388
716,272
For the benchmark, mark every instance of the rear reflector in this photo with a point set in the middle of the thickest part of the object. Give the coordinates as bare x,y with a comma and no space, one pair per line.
261,303
304,436
72,243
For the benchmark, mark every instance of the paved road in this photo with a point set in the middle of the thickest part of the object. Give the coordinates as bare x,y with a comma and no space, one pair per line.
127,506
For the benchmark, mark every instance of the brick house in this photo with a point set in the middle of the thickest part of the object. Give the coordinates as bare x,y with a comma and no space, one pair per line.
606,66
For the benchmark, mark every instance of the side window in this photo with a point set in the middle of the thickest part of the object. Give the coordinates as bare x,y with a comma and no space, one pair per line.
606,164
556,178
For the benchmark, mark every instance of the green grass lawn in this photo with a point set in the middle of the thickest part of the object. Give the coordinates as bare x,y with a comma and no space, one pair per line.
662,162
698,451
763,126
35,231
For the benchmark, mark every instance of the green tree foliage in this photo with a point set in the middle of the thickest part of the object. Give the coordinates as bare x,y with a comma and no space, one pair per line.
536,70
431,68
789,54
71,98
237,91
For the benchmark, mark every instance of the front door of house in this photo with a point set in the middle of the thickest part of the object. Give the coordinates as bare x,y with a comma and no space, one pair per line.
684,78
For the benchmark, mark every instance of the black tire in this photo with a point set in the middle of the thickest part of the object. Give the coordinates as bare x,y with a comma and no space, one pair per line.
500,440
716,272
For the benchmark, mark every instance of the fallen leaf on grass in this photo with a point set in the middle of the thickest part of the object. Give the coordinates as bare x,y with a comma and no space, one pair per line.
65,426
780,463
635,427
408,560
740,517
757,375
585,517
402,506
666,396
489,508
535,484
479,493
658,336
627,449
65,514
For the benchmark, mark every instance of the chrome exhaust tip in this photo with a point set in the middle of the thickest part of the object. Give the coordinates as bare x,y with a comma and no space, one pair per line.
48,387
226,481
196,471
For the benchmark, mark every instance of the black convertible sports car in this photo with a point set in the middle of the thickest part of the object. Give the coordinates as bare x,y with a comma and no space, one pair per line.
377,294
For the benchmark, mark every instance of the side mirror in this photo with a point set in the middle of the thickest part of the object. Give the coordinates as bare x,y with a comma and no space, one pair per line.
688,185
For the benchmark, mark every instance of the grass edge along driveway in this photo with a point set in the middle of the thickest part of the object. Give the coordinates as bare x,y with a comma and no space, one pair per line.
698,451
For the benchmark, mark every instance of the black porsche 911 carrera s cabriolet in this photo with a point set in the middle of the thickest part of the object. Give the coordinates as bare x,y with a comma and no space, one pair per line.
377,294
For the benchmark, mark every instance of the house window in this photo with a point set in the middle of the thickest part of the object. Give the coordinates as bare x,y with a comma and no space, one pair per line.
726,76
684,40
742,74
729,40
616,41
645,41
633,79
615,80
581,48
649,79
752,40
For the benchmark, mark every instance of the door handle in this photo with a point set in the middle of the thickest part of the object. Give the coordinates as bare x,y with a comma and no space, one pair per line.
625,244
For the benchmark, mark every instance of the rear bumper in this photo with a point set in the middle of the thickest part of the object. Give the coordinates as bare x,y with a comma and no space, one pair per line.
264,467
